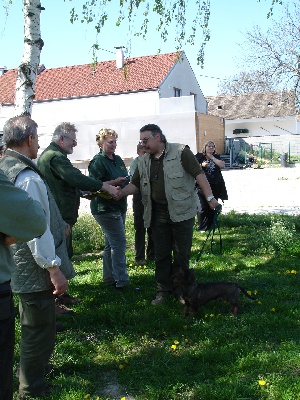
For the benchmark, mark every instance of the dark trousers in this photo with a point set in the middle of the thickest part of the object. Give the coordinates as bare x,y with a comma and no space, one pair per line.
172,244
37,318
7,341
140,231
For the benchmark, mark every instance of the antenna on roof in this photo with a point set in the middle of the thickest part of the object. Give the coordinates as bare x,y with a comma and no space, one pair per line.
119,57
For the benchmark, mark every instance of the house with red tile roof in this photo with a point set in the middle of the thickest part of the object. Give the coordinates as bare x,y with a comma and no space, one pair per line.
120,94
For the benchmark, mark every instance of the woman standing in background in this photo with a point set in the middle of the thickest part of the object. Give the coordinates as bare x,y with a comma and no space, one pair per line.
212,165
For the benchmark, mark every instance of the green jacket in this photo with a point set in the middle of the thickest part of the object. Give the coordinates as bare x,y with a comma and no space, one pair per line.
65,181
103,168
14,221
179,185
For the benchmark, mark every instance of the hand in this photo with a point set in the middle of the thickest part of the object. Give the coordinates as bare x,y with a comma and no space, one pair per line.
59,281
8,240
120,181
67,230
119,194
111,190
213,203
204,164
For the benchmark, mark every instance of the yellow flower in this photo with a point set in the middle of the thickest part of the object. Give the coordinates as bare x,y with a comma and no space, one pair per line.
87,396
173,347
279,272
186,340
212,315
287,271
249,292
259,302
293,272
176,342
123,398
273,309
130,265
261,382
121,366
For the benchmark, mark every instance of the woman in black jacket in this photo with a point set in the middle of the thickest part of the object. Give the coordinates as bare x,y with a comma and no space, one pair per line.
212,165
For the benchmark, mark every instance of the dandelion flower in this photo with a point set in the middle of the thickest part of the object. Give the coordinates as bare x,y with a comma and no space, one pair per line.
273,309
173,347
91,299
279,272
293,272
176,342
121,366
212,315
87,396
123,398
249,292
186,340
261,382
130,265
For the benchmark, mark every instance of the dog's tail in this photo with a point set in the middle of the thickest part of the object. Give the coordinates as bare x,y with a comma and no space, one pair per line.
246,293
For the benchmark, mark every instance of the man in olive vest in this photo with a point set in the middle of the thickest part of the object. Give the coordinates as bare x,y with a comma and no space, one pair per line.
166,179
42,265
21,219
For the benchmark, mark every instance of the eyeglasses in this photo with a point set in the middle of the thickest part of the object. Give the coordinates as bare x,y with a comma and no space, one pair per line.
145,140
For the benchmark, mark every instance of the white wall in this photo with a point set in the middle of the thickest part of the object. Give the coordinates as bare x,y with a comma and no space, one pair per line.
263,127
183,78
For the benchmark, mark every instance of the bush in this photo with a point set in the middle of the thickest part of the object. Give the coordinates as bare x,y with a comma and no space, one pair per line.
87,235
275,238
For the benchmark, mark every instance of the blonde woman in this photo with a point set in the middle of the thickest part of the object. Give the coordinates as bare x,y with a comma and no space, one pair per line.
110,214
211,165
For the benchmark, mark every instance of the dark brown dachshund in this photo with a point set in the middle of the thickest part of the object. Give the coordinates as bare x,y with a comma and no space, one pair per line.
196,294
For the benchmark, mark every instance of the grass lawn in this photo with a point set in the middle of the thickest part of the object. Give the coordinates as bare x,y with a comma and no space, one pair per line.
119,346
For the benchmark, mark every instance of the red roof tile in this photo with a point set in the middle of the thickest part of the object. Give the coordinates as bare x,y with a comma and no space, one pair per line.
139,73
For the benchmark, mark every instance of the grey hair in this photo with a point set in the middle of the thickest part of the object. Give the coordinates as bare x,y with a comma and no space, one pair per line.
63,130
17,129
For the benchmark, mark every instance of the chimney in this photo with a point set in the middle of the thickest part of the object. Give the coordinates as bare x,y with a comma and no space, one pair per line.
119,57
3,70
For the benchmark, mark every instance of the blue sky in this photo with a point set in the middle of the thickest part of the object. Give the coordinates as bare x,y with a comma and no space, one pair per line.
67,44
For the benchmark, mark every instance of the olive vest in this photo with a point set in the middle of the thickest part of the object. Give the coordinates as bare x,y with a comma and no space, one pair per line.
28,275
179,185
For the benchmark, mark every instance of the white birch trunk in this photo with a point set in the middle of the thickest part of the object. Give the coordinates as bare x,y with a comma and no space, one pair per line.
27,71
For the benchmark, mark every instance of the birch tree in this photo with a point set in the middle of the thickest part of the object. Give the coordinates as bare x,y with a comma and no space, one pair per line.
27,71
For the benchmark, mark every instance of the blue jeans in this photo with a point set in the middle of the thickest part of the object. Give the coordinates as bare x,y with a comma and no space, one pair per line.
114,259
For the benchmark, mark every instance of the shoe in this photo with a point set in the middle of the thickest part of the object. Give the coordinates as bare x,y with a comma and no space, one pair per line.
61,309
59,327
45,393
180,299
160,298
68,300
141,262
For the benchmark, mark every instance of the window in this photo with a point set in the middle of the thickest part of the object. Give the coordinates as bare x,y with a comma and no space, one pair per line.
195,99
177,92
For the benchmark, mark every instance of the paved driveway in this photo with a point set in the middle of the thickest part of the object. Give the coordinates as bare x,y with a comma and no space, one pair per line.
267,190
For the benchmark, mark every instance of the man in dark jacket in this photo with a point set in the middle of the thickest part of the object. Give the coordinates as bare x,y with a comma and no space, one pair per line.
64,180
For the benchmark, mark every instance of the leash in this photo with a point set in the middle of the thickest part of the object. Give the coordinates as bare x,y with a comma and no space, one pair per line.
214,226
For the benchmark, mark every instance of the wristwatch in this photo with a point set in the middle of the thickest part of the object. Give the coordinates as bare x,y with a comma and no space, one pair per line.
209,198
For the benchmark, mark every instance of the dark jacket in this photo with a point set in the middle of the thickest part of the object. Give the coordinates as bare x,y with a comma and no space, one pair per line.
65,181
